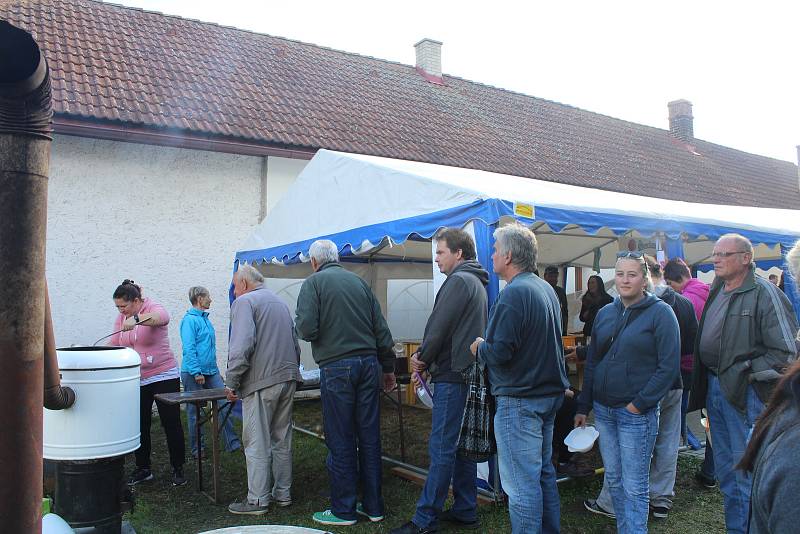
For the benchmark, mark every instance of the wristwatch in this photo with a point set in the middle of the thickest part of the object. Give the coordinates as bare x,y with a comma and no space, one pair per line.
136,317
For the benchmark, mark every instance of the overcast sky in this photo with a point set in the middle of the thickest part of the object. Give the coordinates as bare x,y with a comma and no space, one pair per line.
737,62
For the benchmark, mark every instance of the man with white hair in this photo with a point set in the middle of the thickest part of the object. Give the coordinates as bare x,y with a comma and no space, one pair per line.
263,371
745,340
524,353
338,313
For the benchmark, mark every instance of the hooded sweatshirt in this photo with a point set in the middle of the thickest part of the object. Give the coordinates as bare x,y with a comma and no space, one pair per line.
687,324
697,293
642,361
459,316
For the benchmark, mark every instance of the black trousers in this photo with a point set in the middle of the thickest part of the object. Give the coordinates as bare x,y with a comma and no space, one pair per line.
564,423
170,415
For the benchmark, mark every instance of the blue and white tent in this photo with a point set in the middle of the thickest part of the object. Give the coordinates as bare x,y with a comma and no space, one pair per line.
382,212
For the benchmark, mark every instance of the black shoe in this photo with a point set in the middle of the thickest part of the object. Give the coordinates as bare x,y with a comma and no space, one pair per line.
177,477
705,481
448,517
140,474
592,506
411,528
660,512
574,470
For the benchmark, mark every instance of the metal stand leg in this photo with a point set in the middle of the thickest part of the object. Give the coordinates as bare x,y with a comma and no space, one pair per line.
215,449
198,422
402,427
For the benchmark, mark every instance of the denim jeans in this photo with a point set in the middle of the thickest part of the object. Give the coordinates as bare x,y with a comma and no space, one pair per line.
524,433
730,430
446,466
230,439
664,463
626,444
350,391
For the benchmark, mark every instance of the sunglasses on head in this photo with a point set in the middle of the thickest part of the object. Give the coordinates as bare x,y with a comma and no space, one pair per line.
635,254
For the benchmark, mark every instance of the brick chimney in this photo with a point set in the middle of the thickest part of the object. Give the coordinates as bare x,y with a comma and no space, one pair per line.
681,120
429,59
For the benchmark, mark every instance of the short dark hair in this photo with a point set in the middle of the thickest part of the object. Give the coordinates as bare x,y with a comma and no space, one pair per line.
676,270
653,266
551,270
458,240
128,291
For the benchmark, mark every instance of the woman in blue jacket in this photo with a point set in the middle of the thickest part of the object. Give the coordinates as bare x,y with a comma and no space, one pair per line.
633,360
199,364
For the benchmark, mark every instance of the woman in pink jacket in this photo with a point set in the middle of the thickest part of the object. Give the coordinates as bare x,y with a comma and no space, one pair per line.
143,325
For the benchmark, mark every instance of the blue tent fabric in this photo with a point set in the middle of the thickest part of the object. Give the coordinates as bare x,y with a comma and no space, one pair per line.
789,283
484,243
675,248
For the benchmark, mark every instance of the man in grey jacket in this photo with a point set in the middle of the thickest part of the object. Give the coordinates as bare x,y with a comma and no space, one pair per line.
459,316
263,370
745,339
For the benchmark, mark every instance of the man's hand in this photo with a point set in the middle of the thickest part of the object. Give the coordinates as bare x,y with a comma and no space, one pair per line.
580,420
571,354
632,409
417,365
568,393
389,382
231,395
475,344
416,381
200,379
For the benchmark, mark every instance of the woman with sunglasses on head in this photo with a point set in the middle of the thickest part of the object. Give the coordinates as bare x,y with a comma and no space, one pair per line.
142,325
633,361
592,301
772,454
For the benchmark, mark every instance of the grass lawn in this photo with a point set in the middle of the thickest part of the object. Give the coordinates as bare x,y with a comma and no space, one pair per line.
161,508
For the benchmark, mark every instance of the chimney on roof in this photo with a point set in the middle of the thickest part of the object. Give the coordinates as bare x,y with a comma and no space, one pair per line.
681,120
429,57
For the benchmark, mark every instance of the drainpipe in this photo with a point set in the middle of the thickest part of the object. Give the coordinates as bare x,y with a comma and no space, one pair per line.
25,117
56,396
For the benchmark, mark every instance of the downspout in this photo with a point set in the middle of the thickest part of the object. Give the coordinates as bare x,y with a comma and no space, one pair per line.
25,116
56,396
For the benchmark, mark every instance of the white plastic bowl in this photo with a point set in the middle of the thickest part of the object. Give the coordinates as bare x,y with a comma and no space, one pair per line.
423,393
581,439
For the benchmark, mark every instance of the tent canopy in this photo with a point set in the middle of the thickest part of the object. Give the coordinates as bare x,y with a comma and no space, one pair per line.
384,209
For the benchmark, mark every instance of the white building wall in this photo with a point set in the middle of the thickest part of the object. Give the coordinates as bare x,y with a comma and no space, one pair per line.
168,218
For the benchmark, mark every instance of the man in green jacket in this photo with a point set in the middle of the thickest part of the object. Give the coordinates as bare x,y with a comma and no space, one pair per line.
350,341
745,340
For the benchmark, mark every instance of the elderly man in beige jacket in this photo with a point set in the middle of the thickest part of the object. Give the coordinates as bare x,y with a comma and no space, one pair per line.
263,370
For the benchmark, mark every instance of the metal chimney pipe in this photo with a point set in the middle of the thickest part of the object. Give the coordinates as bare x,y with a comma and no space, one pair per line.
25,117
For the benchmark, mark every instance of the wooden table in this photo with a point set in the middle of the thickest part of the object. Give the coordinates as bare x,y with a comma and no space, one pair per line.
199,398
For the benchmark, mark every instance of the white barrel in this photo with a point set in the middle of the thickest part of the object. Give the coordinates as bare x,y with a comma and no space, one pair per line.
104,421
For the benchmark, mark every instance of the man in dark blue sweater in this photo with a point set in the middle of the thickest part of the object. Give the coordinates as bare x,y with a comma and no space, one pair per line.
524,354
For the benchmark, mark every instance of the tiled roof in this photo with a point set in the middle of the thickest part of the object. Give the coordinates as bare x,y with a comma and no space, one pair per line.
118,65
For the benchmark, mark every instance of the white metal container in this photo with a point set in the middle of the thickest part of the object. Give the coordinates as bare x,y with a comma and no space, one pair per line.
104,421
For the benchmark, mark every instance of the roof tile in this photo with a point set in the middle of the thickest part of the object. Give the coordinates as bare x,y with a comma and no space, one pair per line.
110,62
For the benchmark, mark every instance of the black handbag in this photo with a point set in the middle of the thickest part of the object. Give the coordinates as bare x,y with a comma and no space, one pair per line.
476,438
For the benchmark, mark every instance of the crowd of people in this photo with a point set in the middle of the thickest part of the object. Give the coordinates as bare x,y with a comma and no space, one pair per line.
666,345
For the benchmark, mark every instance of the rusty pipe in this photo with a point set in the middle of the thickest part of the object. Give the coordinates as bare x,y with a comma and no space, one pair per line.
25,126
56,396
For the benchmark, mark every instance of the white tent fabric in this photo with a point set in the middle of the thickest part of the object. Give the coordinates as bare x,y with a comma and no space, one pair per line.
381,211
338,193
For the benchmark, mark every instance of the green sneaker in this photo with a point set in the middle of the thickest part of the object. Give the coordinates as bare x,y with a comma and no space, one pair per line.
373,518
327,518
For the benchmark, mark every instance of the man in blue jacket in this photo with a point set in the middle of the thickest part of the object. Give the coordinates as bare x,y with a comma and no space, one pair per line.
525,358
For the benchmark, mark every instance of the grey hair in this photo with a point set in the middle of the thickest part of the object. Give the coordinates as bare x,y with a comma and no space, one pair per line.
250,273
793,259
196,292
742,243
324,251
521,243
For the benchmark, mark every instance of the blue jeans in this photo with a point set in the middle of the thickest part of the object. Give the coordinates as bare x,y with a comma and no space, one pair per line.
448,410
230,439
730,430
524,433
350,391
632,437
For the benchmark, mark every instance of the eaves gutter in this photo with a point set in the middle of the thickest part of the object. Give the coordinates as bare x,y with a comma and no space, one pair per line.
174,138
